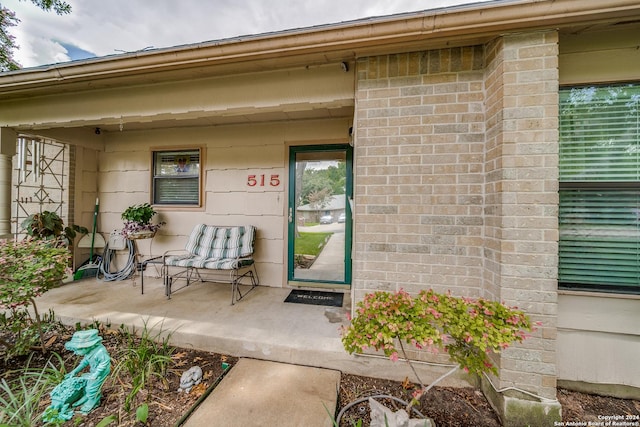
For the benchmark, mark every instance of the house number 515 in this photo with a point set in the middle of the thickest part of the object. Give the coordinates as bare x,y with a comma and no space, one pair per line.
261,180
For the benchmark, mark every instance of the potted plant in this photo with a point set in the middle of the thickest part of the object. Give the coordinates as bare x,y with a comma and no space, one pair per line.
137,222
49,226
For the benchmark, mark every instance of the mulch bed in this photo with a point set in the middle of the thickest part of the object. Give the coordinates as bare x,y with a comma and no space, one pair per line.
166,404
446,406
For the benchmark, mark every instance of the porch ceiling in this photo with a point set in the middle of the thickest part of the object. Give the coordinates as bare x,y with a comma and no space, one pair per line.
303,93
199,119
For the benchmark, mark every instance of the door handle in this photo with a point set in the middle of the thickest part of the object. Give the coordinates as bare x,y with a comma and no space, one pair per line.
290,215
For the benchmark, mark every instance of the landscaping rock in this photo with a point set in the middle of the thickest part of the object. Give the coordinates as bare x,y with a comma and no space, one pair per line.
381,416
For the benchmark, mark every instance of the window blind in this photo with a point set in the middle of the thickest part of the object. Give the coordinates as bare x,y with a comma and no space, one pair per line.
173,191
599,238
599,216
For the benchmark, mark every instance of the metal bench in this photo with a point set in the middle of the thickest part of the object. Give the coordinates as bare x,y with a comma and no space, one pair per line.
214,254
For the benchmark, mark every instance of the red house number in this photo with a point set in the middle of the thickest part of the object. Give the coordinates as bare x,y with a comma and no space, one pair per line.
261,180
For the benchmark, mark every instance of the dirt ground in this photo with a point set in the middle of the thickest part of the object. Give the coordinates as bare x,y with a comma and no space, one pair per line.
448,407
465,407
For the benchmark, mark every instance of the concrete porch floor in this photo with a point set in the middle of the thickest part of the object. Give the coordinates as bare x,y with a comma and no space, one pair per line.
261,326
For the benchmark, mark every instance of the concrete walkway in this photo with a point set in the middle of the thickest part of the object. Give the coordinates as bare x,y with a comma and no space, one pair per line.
329,265
261,393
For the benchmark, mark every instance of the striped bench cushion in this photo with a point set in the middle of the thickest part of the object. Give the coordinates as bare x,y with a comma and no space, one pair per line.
217,248
208,263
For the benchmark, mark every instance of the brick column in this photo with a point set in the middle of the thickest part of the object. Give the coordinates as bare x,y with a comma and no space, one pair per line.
521,211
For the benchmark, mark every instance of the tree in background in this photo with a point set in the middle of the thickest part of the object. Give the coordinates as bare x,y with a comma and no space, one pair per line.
320,184
8,19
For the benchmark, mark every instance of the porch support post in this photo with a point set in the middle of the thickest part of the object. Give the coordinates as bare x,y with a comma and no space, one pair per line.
525,391
7,151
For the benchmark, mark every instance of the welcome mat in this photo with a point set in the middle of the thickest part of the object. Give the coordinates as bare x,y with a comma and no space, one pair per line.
332,299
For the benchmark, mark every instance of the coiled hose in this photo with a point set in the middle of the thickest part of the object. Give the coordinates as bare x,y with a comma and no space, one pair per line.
104,267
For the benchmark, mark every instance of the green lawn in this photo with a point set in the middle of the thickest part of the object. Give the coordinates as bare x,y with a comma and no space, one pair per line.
310,243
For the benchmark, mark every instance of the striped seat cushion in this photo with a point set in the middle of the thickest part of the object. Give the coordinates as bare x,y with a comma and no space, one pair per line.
216,248
208,263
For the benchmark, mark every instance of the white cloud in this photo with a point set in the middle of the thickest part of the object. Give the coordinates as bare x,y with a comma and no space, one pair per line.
44,51
111,26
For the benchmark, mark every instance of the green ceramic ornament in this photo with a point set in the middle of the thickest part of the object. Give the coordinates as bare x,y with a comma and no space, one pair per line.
83,391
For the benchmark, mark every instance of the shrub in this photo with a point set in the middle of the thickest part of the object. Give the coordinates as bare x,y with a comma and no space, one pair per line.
467,329
28,268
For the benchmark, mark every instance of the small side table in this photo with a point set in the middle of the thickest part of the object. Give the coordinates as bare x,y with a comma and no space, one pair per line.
141,265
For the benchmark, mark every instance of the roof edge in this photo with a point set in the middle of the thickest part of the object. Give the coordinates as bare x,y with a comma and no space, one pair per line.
366,34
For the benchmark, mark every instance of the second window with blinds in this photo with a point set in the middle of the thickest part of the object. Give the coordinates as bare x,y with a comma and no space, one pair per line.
600,188
176,177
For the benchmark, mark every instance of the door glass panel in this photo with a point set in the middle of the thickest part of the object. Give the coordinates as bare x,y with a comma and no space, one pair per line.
320,214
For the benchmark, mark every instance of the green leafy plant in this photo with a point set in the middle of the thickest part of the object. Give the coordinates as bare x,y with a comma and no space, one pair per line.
144,358
142,413
137,218
139,213
49,226
20,398
94,324
20,402
468,330
28,268
107,420
25,331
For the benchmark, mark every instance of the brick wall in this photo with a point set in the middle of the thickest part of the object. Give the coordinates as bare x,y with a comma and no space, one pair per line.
418,171
456,182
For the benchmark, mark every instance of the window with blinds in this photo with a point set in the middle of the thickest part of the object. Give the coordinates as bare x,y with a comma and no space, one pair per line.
176,177
599,216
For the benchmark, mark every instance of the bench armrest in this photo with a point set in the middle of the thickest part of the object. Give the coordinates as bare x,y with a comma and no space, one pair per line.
172,252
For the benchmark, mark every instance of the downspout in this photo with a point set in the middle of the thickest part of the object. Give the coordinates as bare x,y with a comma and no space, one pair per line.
7,151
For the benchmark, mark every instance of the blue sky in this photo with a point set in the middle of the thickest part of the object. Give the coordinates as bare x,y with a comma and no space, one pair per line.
108,27
75,52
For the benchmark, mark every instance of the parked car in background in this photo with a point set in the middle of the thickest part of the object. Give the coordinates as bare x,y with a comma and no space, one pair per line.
342,217
326,219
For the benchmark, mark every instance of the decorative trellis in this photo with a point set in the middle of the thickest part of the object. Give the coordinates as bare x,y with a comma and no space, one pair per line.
41,169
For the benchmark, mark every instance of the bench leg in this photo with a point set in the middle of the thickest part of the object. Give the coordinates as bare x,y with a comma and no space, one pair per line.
252,274
165,281
186,274
235,278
